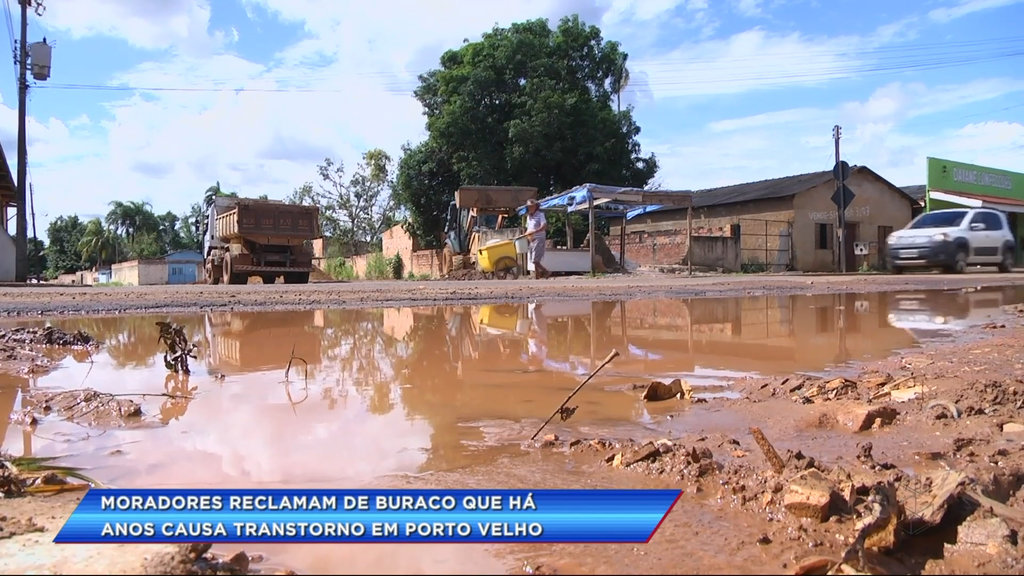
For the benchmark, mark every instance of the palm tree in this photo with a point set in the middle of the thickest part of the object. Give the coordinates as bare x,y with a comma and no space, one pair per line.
620,80
214,192
211,194
131,219
97,240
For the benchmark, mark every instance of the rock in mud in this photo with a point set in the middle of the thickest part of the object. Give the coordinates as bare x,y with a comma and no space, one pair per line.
992,535
659,391
1013,428
861,418
809,496
239,562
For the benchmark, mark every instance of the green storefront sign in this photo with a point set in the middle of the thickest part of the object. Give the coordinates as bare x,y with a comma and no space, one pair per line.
958,177
953,177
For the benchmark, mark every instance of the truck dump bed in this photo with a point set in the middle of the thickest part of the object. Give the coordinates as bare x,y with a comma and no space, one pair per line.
269,221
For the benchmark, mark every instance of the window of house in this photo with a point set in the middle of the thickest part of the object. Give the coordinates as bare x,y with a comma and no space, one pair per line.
824,234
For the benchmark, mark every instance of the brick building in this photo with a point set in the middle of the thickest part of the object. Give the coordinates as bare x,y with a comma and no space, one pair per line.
779,224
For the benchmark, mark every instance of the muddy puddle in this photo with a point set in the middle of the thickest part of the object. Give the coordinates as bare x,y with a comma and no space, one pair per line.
383,397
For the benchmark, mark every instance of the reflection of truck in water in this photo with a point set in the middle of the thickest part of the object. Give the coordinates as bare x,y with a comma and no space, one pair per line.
240,342
265,238
943,311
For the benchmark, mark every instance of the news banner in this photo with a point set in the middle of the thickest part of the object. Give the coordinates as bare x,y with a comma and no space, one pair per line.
278,516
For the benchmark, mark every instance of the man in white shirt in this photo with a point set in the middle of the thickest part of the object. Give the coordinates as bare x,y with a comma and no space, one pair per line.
536,232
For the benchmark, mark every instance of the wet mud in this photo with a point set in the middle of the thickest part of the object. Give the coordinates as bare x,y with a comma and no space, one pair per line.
858,433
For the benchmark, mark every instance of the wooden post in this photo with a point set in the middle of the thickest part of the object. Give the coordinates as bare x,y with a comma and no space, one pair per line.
568,231
689,240
622,244
593,251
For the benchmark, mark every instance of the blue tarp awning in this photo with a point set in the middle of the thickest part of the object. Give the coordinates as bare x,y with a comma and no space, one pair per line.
615,201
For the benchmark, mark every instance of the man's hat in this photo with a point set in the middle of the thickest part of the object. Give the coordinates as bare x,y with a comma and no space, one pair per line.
532,202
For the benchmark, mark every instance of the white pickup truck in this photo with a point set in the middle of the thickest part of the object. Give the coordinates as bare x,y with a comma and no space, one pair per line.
952,240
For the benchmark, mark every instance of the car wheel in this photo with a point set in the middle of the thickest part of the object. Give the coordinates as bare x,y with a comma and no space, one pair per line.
960,263
1006,265
893,269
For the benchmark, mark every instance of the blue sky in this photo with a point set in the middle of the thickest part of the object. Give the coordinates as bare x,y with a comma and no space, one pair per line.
726,91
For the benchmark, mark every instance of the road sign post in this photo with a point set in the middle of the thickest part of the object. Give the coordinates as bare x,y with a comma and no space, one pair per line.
841,198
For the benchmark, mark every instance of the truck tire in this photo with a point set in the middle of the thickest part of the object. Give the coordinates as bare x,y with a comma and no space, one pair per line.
211,277
1006,264
228,275
269,278
296,278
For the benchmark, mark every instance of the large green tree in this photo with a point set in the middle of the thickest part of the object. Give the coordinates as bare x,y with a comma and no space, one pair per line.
36,257
526,105
354,210
62,253
424,186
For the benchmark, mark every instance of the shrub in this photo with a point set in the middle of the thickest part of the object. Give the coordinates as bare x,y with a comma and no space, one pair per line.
396,266
753,267
377,267
339,269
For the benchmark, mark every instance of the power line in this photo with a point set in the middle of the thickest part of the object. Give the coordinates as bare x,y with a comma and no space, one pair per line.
764,78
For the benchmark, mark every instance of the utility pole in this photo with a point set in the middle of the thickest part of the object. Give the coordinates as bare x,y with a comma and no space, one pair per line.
21,228
841,216
40,71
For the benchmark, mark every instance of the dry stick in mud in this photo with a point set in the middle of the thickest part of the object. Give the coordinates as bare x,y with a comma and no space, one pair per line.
769,451
305,373
611,356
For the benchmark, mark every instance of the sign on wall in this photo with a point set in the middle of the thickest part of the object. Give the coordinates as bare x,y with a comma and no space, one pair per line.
949,176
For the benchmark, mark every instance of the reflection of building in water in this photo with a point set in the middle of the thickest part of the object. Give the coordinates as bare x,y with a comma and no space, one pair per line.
252,342
765,334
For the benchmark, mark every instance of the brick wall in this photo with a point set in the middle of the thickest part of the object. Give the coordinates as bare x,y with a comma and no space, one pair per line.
427,262
396,240
666,247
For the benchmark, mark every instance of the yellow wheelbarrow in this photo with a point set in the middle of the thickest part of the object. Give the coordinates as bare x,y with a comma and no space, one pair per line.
499,260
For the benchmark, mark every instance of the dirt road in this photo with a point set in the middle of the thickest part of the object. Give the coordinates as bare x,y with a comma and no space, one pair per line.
58,300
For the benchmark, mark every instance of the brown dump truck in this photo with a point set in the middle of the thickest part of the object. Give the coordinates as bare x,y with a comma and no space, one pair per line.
266,238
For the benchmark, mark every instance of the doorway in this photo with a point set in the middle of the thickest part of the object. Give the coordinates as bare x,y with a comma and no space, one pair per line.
883,236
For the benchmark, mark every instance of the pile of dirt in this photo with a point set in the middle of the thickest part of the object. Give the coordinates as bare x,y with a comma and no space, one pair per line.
465,274
36,351
46,336
86,407
197,559
865,517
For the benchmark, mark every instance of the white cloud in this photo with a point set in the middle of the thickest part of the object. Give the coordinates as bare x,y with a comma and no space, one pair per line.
755,58
749,8
147,24
965,7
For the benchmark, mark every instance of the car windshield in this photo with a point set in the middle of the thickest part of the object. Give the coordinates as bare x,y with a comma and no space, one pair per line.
944,219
